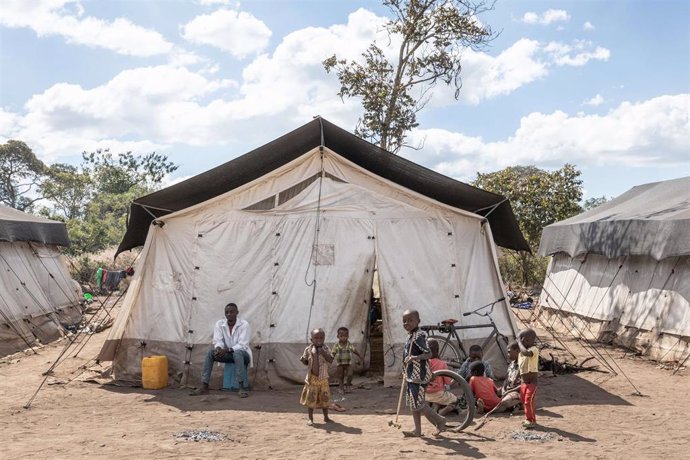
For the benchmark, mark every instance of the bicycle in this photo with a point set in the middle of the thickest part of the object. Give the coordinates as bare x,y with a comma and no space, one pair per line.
451,349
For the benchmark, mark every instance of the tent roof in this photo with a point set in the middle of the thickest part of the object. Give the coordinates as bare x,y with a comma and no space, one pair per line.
650,219
292,145
16,225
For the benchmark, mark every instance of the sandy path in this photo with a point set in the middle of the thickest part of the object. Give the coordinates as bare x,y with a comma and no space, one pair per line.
588,415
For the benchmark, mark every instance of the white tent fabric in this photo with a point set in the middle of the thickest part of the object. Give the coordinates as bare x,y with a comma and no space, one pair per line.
314,228
631,282
37,295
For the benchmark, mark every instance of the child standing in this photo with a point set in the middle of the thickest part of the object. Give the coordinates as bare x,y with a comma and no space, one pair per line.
483,388
437,390
316,392
417,373
343,351
528,363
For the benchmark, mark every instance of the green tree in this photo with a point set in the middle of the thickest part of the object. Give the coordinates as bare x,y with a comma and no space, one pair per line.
21,173
68,189
430,36
594,202
94,198
539,198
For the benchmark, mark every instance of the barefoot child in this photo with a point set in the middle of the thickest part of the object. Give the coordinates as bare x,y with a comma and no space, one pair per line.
528,363
484,389
343,351
316,392
437,391
417,373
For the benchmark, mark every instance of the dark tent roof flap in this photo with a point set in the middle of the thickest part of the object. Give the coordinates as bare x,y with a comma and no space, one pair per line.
648,220
16,225
292,145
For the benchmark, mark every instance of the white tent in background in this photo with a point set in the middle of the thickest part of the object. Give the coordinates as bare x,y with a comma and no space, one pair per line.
37,295
291,232
621,272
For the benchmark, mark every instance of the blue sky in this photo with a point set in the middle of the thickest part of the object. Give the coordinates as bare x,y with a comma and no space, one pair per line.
600,84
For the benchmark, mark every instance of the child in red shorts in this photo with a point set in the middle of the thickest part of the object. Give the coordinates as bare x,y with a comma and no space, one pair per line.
528,362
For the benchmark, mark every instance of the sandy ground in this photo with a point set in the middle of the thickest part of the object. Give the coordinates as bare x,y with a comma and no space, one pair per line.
584,415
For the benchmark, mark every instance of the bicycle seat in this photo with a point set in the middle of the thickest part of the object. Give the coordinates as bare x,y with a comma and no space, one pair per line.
449,322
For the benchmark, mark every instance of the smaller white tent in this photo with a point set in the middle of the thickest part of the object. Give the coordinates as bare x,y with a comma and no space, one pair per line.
621,272
37,295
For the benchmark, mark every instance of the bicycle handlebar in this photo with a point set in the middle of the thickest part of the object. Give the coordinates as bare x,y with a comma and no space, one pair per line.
487,305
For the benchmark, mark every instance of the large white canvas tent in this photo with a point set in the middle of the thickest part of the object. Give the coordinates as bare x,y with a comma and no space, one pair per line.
292,233
621,272
37,295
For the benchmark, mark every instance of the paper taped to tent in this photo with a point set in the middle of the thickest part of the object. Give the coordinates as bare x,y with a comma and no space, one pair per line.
621,272
37,296
292,233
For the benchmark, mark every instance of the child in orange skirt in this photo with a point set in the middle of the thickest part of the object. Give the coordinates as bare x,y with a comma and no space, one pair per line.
316,393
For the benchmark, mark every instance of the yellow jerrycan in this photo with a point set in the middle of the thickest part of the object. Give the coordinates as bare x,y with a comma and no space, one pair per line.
154,372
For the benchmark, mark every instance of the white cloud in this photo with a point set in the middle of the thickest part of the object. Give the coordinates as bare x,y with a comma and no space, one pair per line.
588,26
171,104
237,32
53,17
217,2
595,101
485,76
525,61
653,132
546,18
577,55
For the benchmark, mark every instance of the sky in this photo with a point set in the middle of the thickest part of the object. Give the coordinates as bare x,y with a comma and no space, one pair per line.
603,85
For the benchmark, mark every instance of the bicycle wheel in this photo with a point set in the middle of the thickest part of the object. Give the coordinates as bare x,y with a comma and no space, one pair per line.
462,415
448,351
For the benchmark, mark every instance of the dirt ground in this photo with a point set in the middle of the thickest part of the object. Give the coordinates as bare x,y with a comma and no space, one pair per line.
581,415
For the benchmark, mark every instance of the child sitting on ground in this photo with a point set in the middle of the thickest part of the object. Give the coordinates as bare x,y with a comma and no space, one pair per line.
343,351
316,392
483,388
476,353
528,363
437,393
511,386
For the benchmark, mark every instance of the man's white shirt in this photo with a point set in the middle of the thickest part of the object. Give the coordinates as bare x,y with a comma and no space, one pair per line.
238,339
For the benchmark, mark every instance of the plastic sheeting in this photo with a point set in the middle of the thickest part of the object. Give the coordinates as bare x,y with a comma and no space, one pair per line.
306,263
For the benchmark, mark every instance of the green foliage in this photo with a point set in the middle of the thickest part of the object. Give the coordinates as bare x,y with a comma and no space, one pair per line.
94,199
431,35
594,202
539,198
68,189
20,174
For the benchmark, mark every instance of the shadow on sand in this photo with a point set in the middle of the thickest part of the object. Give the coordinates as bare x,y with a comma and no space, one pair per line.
564,390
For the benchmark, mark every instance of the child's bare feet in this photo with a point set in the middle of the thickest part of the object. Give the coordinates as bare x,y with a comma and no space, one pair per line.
327,420
412,434
480,406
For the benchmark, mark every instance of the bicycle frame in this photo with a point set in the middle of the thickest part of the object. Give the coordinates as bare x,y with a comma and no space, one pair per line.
451,330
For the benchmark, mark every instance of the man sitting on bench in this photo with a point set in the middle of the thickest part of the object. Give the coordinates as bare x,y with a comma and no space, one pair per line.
230,345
